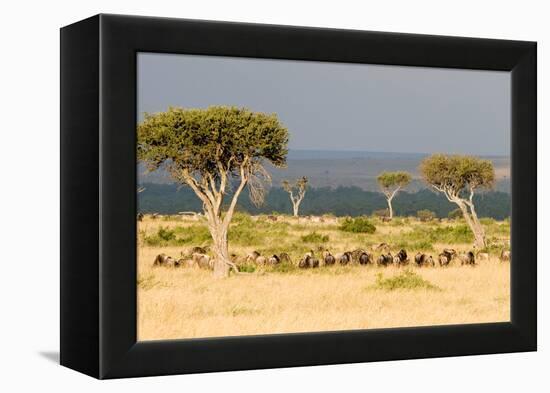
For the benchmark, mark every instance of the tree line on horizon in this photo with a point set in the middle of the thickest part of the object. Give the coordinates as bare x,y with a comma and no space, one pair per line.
341,201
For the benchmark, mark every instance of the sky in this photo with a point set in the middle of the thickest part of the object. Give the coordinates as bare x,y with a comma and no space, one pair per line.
342,106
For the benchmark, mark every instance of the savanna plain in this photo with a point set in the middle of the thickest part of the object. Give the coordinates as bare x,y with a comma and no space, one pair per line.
189,302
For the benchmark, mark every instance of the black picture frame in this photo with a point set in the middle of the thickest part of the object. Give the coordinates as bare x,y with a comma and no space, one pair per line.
98,196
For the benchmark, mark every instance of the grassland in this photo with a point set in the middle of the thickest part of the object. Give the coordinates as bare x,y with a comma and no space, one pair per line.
189,302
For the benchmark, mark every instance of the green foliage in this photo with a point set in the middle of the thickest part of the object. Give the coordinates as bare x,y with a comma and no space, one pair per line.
247,268
314,237
441,234
357,225
164,237
456,172
406,280
425,215
388,180
299,185
198,140
194,235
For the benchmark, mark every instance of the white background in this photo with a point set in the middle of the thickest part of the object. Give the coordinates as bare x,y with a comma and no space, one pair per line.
29,220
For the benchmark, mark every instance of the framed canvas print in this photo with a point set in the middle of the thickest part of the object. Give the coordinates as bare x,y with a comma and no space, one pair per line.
239,196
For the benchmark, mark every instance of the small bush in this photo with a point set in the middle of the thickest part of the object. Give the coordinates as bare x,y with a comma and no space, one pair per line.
315,237
455,214
425,215
406,280
357,225
164,237
247,268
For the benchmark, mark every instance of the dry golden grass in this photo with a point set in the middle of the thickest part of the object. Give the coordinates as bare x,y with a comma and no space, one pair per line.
190,303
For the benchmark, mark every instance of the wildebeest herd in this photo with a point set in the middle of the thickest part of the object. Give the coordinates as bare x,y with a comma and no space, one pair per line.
198,257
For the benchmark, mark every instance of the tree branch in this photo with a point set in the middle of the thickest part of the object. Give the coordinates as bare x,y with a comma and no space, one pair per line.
244,180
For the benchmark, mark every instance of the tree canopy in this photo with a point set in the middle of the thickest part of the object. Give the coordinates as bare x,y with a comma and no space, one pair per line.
393,179
199,140
456,173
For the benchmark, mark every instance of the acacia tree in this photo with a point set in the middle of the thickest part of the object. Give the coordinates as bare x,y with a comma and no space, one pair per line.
390,183
297,192
215,151
458,177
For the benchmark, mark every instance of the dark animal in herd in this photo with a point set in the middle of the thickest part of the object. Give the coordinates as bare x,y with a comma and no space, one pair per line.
385,259
423,260
308,261
446,256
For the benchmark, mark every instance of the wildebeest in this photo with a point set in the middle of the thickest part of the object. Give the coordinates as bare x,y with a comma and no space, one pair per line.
274,259
201,250
505,255
308,261
446,256
361,256
160,260
164,260
314,262
202,260
252,256
344,258
424,260
261,260
140,216
385,259
328,258
467,258
401,258
365,258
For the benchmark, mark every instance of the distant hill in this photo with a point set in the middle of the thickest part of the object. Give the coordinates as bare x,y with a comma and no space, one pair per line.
341,201
333,169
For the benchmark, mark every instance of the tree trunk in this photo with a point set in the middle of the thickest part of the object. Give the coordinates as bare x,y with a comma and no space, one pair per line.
474,224
479,232
295,207
390,208
221,251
